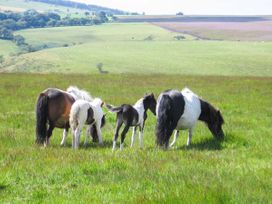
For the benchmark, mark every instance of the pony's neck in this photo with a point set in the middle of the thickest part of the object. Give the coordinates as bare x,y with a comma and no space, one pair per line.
140,105
205,114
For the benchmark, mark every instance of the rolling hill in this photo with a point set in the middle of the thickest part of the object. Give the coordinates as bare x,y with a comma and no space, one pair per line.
61,7
138,48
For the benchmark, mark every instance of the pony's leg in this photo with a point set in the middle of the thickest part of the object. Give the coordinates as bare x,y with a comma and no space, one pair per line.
64,136
123,135
48,135
74,138
133,135
87,138
175,138
77,138
99,133
118,126
141,132
190,134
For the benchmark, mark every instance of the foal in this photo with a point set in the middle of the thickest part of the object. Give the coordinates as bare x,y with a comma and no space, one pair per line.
134,116
85,112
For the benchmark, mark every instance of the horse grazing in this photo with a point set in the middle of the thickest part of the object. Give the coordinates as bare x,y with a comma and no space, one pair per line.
133,116
180,110
52,110
85,112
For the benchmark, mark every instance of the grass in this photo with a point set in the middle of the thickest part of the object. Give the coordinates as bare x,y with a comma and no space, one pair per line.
21,5
238,170
139,48
7,48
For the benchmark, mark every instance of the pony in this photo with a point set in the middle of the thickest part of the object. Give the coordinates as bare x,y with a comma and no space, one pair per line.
180,110
52,111
85,112
132,116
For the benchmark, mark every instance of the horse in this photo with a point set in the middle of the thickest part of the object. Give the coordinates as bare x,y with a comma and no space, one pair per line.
85,112
132,116
180,110
52,109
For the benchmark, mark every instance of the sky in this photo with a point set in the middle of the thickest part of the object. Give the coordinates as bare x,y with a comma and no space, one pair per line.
189,7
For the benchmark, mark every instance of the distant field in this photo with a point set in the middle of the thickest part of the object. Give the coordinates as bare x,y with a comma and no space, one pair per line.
112,32
7,48
139,48
238,170
188,18
239,31
238,28
22,5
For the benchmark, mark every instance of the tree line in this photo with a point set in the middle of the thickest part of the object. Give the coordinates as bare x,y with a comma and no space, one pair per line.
88,7
12,21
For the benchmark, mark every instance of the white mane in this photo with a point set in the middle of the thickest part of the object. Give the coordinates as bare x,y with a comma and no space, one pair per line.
79,94
97,101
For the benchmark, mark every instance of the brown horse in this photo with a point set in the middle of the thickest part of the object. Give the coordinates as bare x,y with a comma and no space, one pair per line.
52,111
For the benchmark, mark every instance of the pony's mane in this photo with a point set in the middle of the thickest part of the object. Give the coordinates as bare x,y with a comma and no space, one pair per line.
79,94
97,101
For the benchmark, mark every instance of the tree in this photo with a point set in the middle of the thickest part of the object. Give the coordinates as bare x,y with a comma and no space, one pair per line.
6,34
179,14
1,59
19,40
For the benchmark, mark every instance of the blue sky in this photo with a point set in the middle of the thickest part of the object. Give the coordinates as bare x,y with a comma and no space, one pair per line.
208,7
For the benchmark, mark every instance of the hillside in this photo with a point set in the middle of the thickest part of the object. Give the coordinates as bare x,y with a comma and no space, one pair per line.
138,48
53,6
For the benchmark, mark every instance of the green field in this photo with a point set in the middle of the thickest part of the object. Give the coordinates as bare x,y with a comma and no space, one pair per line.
234,76
21,5
139,48
7,48
238,170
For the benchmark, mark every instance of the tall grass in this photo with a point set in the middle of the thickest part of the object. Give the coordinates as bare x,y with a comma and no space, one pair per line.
238,170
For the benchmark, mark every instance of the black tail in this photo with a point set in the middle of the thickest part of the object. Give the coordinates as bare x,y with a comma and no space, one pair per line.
114,109
164,126
41,118
93,130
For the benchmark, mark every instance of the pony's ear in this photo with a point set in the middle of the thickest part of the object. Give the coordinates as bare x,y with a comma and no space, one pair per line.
102,104
152,94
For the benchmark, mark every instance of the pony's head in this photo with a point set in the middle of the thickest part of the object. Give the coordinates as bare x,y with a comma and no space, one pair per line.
216,122
150,102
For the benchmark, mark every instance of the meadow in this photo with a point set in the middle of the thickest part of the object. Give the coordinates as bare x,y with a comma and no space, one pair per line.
22,5
138,48
140,58
237,170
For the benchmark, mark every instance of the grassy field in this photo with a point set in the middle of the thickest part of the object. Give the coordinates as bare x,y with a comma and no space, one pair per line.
22,5
238,170
139,48
7,48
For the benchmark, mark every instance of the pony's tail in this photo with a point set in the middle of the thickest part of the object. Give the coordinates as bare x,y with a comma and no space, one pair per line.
103,121
93,130
164,125
41,118
114,109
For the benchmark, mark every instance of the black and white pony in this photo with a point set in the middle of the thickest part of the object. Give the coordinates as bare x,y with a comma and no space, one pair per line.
133,116
86,112
180,110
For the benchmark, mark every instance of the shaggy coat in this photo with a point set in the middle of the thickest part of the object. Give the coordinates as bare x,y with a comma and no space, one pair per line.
85,112
180,110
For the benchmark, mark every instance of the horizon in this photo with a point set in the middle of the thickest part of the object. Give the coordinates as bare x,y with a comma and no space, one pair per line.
193,7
